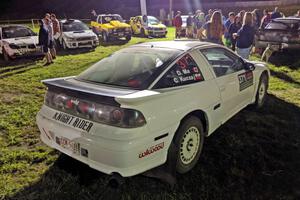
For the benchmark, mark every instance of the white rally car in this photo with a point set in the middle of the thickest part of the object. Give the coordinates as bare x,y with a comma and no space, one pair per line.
17,41
76,34
128,111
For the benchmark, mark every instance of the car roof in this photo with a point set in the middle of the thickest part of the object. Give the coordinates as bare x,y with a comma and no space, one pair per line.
69,20
12,25
287,19
183,45
109,15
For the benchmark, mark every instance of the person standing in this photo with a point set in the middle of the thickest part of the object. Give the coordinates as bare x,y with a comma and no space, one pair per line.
199,21
275,14
177,23
245,36
233,28
56,33
189,26
208,16
227,24
51,36
214,29
298,14
266,19
44,40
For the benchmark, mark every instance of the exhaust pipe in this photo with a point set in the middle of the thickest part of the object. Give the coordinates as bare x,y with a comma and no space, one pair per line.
116,180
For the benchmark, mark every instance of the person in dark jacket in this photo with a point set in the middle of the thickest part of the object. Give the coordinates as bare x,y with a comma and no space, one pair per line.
44,40
275,14
228,22
233,28
245,36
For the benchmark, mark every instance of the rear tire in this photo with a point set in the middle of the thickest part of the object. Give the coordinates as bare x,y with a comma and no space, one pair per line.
188,143
261,94
143,34
128,38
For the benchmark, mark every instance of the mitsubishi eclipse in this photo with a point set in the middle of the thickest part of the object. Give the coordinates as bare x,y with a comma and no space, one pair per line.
126,113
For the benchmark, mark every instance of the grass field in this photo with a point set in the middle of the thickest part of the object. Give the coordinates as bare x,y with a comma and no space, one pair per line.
255,155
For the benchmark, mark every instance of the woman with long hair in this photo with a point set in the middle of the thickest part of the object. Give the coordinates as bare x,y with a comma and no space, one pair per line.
245,36
214,29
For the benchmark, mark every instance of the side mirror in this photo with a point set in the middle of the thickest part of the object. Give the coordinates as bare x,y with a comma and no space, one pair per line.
249,66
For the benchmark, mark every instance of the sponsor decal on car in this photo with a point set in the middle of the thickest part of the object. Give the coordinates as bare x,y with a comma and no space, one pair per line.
245,80
152,150
76,122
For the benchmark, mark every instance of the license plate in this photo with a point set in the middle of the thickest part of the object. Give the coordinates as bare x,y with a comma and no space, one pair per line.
68,144
121,34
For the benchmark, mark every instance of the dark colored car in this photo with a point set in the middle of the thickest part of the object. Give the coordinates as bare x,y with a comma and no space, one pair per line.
281,32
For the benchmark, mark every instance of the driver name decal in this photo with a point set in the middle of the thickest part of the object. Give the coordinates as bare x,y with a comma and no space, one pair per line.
245,80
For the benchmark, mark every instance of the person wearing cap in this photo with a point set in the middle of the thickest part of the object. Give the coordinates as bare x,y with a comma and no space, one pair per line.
177,23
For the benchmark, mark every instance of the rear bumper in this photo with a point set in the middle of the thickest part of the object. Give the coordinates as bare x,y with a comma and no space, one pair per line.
105,155
119,34
264,44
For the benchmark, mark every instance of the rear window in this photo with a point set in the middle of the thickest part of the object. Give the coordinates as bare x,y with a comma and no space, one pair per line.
133,68
277,26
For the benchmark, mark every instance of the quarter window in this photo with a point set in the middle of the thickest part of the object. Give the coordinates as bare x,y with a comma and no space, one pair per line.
184,71
223,61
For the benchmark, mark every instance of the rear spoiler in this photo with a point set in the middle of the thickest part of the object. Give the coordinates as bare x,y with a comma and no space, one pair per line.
91,92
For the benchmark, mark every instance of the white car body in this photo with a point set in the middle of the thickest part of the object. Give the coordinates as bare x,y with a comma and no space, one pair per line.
77,39
130,151
18,46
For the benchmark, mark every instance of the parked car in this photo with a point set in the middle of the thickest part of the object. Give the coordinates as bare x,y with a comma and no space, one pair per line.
111,26
128,111
18,41
281,32
150,27
76,34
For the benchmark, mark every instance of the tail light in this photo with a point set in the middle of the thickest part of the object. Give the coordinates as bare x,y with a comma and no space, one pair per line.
101,113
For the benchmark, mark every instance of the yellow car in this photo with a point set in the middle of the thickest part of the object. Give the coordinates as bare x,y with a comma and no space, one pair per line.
111,26
148,26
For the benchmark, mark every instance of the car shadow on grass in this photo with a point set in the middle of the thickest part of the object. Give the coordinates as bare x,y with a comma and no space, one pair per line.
115,42
20,61
288,58
255,155
62,52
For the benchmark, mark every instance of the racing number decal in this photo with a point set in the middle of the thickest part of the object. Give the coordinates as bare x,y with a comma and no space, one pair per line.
245,80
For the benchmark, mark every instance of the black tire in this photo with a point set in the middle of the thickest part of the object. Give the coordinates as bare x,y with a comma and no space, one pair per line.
128,37
143,34
64,45
188,143
261,93
5,55
104,37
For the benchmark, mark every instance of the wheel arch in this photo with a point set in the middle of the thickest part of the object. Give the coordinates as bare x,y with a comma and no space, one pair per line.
200,114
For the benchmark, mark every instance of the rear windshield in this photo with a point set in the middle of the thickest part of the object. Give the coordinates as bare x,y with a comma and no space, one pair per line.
133,68
282,26
16,32
74,26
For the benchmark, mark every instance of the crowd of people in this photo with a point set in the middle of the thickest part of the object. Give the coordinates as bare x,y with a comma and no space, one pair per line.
49,31
236,31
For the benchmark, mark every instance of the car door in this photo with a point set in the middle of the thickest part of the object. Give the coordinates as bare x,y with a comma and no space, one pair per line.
234,82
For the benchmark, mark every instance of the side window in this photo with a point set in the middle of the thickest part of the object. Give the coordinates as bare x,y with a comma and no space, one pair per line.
184,71
223,61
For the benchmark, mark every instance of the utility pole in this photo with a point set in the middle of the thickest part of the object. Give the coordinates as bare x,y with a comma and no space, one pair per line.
143,7
170,11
